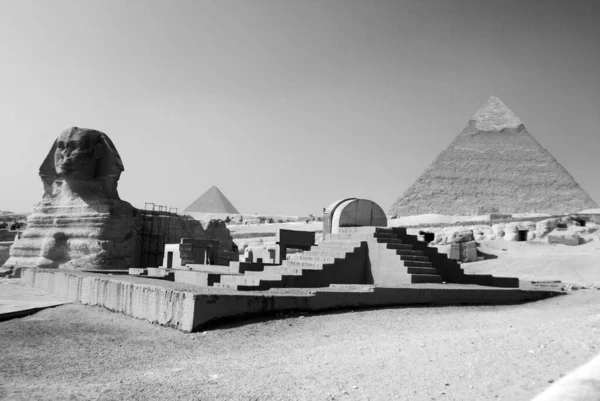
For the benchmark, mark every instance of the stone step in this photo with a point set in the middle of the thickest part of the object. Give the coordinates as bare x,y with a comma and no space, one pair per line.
412,238
332,252
309,255
414,258
410,263
242,280
318,259
425,278
432,250
403,247
242,267
332,247
385,234
254,283
399,231
215,269
422,270
289,271
409,252
302,265
231,286
240,287
348,242
269,275
316,255
390,241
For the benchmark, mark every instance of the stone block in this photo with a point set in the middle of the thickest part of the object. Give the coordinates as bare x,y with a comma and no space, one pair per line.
565,238
463,251
468,251
4,251
454,252
201,279
462,236
295,238
158,272
545,226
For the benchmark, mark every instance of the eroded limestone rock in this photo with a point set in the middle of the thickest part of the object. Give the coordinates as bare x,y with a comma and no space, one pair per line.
80,222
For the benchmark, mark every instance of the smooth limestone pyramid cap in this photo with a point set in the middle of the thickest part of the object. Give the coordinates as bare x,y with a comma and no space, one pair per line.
212,201
495,116
494,165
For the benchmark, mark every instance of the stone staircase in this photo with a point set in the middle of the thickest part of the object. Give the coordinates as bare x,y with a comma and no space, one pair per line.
386,256
423,263
336,261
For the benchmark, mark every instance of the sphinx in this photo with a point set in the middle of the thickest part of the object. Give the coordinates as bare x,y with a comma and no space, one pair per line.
80,222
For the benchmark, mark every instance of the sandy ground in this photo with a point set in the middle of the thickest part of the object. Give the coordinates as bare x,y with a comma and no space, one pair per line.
469,353
447,219
272,228
537,260
453,353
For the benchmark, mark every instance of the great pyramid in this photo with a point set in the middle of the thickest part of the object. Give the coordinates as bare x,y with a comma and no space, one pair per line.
212,201
494,165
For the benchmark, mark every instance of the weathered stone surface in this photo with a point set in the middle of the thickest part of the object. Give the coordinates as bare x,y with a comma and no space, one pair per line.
4,251
462,236
463,251
563,237
511,231
545,226
454,252
217,230
493,166
80,221
7,235
527,225
468,251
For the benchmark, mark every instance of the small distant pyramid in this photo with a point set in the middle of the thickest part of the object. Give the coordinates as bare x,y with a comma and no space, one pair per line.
212,201
494,165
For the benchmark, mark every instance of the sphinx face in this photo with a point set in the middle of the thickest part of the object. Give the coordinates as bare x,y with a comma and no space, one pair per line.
74,157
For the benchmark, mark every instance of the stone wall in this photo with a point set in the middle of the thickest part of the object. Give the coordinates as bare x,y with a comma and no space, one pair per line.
4,251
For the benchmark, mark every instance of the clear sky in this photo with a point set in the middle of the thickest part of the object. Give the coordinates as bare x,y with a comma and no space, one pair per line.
287,106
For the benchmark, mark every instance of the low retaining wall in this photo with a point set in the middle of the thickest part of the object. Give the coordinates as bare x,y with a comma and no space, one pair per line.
154,303
188,308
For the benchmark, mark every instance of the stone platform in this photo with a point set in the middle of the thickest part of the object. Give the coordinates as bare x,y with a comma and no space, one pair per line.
19,301
189,307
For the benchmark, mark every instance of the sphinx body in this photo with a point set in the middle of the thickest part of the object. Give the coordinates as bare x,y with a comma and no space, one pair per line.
80,223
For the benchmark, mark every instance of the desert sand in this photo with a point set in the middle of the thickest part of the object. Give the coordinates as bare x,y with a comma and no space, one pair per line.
452,353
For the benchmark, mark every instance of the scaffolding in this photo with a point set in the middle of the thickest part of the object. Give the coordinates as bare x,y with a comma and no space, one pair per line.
156,225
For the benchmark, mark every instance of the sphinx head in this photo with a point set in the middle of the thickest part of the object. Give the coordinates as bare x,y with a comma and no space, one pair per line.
76,154
80,154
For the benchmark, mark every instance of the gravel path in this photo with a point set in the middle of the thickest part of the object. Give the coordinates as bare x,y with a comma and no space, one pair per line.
454,353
